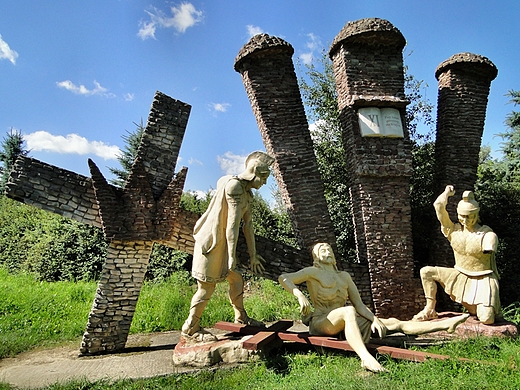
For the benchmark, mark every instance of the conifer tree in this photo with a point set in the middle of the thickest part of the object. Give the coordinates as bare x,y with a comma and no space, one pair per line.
13,145
128,154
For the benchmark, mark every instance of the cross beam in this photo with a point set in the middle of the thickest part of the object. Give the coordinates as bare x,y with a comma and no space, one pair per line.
279,332
133,218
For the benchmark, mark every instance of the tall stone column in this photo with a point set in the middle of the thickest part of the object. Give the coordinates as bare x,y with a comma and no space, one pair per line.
464,82
368,67
270,81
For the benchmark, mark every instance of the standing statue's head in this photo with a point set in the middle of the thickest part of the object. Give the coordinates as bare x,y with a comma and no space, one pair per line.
257,169
468,209
322,253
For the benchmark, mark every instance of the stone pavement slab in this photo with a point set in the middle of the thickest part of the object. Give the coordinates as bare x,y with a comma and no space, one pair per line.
146,355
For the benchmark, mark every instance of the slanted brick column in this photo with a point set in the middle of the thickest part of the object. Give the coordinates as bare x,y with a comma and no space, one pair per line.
368,67
464,82
268,75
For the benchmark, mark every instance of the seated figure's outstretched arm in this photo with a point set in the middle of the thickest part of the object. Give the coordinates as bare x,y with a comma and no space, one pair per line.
377,325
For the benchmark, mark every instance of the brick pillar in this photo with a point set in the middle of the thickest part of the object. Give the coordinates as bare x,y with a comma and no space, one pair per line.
368,67
464,82
270,81
116,297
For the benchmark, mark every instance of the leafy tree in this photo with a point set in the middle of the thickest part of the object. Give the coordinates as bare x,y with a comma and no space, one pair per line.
320,98
13,145
128,155
193,202
511,144
271,222
48,245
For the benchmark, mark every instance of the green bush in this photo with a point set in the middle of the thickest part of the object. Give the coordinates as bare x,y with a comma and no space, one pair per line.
48,245
55,248
164,261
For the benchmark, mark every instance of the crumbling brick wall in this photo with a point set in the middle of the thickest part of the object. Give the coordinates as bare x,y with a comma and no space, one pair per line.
267,70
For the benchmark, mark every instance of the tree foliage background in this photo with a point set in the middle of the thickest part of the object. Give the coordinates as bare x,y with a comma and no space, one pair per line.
498,192
13,145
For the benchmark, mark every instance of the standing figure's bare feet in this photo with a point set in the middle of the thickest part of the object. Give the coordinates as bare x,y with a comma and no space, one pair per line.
425,315
199,337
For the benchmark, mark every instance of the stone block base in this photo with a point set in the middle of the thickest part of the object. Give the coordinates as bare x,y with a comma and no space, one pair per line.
226,350
473,327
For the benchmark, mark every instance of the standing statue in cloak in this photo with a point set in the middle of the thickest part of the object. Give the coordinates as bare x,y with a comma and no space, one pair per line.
216,236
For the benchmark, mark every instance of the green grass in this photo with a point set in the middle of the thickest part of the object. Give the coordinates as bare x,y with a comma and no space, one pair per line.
35,314
309,370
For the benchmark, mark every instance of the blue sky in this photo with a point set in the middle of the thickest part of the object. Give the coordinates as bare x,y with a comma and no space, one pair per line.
75,75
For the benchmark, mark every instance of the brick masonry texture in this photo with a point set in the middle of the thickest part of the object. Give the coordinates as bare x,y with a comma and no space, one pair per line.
270,81
464,82
53,189
144,212
368,67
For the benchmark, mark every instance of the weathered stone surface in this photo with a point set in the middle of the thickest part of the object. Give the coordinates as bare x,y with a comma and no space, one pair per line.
226,350
53,189
368,67
473,327
464,82
270,81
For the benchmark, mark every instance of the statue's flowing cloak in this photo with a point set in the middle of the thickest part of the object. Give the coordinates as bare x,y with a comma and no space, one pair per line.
210,253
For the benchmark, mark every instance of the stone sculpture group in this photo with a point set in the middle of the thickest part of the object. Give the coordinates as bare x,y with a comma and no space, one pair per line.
339,310
338,307
146,210
473,281
216,237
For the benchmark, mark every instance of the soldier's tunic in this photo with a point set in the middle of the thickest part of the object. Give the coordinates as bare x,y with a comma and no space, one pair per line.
474,278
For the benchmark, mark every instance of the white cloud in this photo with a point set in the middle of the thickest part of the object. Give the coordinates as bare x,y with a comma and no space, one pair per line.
201,194
82,90
147,30
129,96
193,161
232,164
6,52
71,144
220,107
313,44
254,30
183,17
306,58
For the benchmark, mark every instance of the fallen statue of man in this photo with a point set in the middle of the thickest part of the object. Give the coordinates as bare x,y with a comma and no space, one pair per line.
329,290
